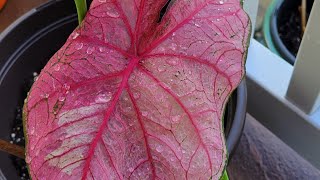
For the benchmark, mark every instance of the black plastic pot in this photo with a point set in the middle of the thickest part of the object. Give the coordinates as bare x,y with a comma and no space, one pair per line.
27,45
280,9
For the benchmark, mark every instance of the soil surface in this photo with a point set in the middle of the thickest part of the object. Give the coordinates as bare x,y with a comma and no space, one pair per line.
290,30
17,134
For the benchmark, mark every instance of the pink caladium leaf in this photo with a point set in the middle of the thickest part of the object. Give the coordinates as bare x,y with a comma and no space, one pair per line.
129,97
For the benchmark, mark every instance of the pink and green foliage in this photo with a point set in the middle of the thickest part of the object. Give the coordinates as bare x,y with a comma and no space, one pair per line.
128,97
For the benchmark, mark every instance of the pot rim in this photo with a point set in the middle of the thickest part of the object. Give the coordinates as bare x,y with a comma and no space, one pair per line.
282,49
239,118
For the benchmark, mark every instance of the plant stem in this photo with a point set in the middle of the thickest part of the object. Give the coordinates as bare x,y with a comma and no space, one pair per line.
225,175
12,149
81,9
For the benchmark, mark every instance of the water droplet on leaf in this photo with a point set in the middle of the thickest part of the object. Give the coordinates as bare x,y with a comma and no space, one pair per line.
113,13
62,98
90,50
79,46
197,25
66,86
57,67
159,148
28,159
101,49
75,35
144,113
176,118
136,95
104,98
161,68
172,61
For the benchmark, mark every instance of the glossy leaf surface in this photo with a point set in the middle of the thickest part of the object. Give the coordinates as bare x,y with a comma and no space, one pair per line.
129,97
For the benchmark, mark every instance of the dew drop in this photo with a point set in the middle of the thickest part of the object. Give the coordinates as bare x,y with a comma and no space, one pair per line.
104,98
131,122
90,50
46,96
113,13
144,113
136,95
173,34
172,159
161,68
79,46
37,152
101,49
173,46
176,118
159,148
57,67
197,25
172,61
75,35
31,131
66,87
221,2
62,98
28,159
13,135
131,169
127,109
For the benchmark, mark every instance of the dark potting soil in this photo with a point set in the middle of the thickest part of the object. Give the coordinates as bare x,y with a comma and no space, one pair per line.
290,30
17,134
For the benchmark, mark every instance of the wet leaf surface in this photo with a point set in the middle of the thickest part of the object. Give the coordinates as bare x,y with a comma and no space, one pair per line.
128,97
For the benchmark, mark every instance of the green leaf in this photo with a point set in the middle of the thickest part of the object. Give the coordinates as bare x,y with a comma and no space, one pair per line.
81,9
225,175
